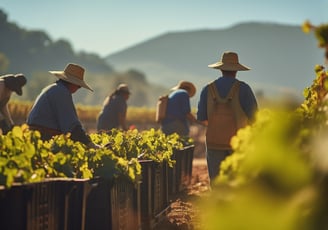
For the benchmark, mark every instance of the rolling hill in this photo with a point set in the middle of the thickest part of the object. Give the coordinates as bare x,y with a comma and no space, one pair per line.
282,57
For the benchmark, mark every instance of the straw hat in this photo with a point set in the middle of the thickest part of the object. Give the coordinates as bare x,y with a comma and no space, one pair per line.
190,87
73,73
123,88
229,62
15,82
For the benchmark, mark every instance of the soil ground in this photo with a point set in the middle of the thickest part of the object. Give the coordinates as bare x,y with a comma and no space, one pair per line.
183,212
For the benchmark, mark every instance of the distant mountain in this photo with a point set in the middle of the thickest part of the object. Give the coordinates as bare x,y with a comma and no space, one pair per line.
282,57
34,53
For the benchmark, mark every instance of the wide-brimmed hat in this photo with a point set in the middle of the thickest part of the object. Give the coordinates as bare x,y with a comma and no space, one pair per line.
229,62
15,82
123,88
190,87
73,73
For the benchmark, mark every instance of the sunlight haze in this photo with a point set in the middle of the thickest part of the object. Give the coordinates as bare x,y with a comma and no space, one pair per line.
105,26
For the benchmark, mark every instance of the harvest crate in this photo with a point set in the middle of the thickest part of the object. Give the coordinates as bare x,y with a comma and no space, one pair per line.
153,192
160,187
124,214
97,204
13,208
110,205
180,175
175,173
65,204
189,157
52,204
146,214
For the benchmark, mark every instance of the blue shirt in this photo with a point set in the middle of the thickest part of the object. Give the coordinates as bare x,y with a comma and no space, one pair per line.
178,106
109,115
54,108
246,97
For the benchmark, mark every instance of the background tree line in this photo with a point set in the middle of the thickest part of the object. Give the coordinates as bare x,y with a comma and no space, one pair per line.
34,53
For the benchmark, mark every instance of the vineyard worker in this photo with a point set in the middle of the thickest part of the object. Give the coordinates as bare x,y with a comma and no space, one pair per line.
113,113
246,102
178,111
9,83
54,113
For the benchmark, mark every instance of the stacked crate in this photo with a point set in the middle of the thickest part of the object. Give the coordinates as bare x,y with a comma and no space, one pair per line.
98,203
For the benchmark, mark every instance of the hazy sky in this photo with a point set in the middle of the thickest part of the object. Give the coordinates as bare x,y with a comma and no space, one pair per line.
108,26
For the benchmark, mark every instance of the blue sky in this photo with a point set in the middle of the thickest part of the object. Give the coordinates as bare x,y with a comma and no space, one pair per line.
108,26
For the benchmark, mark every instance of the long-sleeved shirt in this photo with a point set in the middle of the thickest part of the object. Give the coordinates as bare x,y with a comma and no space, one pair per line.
178,107
54,109
113,107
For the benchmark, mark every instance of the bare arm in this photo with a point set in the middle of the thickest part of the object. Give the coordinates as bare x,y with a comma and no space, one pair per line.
205,123
193,119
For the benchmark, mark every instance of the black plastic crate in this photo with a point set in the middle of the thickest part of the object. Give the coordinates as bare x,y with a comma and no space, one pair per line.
110,205
172,178
73,202
160,200
44,206
97,204
154,197
51,204
182,168
188,156
146,198
13,208
123,213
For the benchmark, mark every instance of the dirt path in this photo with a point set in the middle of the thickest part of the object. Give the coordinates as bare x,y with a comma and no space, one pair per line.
183,213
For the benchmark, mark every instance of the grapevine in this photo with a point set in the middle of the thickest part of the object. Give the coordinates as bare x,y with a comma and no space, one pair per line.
25,158
277,176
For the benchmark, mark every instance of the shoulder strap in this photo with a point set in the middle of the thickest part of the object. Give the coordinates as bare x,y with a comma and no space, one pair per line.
215,94
213,91
233,90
